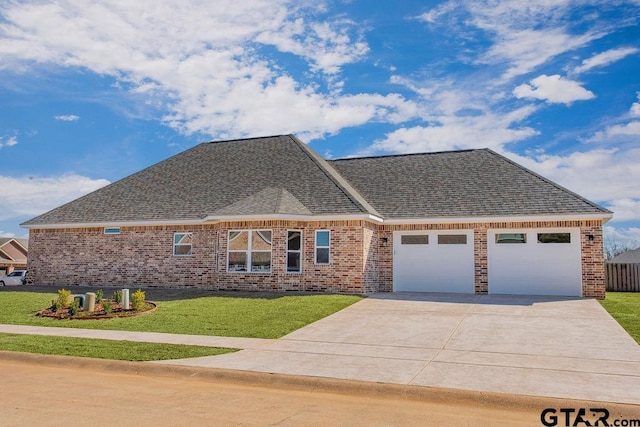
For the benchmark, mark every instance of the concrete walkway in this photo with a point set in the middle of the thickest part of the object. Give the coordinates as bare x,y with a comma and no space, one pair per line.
551,347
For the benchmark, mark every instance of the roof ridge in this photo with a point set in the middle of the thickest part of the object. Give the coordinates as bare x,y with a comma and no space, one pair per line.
548,181
244,139
340,181
466,150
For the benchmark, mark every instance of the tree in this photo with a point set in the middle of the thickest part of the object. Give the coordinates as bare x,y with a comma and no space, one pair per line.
613,246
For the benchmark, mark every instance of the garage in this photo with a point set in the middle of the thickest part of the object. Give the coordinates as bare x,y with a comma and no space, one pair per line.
535,262
433,261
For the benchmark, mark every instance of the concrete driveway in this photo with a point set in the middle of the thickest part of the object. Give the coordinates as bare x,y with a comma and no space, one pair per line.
555,347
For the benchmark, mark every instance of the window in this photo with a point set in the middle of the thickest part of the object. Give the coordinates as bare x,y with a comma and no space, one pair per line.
182,244
249,251
323,237
414,239
452,239
511,238
294,251
112,230
554,237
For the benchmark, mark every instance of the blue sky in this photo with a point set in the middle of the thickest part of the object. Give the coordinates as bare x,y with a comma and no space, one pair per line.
91,92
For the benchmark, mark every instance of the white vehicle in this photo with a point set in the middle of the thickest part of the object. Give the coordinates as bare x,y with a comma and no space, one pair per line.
15,278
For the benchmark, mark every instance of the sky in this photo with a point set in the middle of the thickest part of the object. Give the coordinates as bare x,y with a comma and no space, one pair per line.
91,92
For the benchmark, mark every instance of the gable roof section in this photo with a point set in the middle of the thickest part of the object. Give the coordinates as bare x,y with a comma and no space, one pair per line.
13,250
214,178
469,183
265,202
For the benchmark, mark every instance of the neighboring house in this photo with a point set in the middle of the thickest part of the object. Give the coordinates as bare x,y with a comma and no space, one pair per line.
270,214
13,254
628,257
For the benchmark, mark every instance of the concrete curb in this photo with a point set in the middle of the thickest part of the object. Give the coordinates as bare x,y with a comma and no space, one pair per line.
489,400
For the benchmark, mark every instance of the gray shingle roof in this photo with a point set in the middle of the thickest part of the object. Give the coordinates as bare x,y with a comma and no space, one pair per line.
211,177
457,184
628,257
281,175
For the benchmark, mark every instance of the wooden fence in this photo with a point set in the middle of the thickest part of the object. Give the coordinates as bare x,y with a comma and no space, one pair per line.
623,277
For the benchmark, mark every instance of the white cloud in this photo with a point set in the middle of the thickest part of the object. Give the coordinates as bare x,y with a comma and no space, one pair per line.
605,58
67,118
623,131
8,142
625,209
605,176
6,234
553,89
206,62
526,49
33,196
629,236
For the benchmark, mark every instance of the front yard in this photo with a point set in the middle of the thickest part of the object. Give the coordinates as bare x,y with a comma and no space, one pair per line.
259,316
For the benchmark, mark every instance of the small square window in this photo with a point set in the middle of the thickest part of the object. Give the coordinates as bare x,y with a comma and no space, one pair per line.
182,244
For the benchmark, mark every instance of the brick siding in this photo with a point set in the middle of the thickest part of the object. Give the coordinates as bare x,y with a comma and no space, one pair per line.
361,259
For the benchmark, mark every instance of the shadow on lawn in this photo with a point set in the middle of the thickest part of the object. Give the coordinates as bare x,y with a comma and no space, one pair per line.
155,294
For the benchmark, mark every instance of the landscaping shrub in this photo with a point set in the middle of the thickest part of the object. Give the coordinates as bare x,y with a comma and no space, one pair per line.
117,296
64,299
137,300
107,306
99,295
75,306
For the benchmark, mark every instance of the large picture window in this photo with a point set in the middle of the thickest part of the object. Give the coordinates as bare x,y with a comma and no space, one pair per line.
323,239
182,244
249,251
294,251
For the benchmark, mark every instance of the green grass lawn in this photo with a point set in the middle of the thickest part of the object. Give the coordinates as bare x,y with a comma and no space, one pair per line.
217,315
104,349
625,308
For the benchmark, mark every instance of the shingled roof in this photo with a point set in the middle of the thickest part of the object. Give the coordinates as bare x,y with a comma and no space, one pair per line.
280,175
219,178
468,183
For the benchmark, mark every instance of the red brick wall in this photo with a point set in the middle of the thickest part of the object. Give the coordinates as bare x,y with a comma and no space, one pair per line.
361,261
143,256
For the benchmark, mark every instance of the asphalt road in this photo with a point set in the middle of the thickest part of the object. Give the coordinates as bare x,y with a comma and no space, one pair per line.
48,395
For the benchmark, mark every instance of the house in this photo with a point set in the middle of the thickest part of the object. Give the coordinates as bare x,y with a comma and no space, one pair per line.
627,257
13,254
270,214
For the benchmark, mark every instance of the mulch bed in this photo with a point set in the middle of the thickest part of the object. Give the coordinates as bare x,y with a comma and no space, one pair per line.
99,313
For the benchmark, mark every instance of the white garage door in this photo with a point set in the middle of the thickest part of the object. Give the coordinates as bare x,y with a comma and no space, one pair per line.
433,261
535,262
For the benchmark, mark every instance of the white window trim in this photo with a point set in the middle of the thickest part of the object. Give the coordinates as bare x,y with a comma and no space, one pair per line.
300,251
316,247
182,244
248,252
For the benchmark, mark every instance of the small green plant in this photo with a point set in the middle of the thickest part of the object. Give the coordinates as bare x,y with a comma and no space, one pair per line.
117,296
64,299
75,306
99,295
137,300
107,306
54,305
